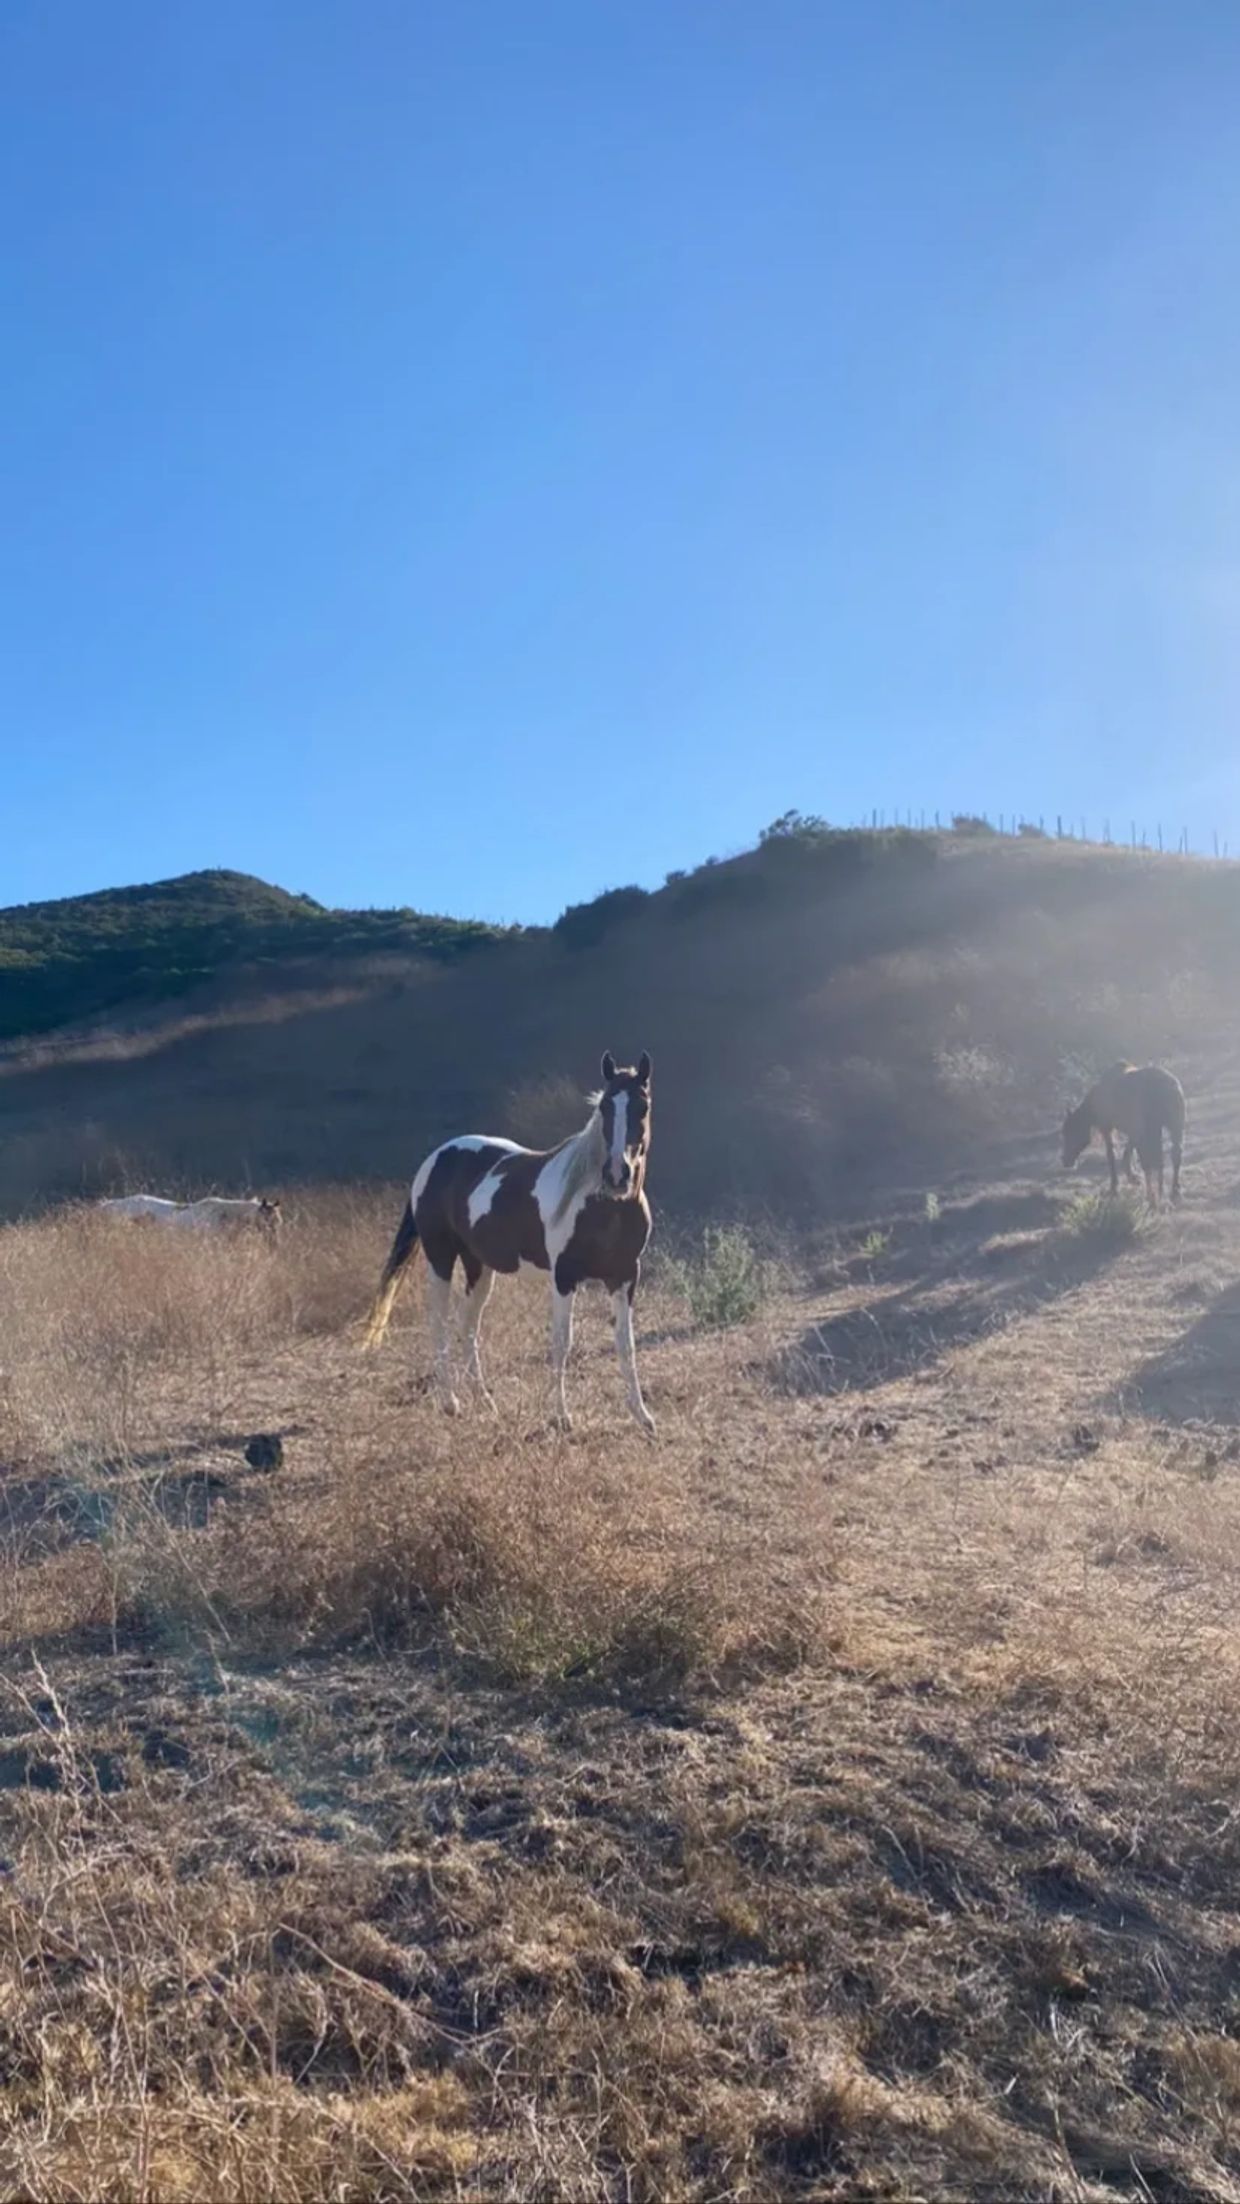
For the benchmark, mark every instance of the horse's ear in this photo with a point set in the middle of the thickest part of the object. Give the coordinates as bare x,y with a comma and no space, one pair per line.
644,1068
609,1065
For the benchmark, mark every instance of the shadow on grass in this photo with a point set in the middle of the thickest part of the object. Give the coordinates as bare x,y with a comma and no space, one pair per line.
978,1290
1197,1378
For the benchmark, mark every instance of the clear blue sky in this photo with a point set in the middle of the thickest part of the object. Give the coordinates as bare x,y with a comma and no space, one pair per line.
474,454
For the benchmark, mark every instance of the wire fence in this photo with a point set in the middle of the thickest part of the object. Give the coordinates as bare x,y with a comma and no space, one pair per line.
1062,827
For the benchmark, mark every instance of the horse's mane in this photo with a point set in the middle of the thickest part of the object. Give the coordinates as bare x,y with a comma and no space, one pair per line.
579,1159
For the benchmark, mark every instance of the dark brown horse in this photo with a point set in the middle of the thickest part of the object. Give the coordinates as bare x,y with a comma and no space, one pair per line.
578,1211
1140,1102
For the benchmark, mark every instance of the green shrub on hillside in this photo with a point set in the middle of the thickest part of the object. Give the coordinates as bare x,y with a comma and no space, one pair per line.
583,925
1104,1221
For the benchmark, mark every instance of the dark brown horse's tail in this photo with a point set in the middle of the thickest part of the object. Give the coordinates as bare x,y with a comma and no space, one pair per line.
404,1248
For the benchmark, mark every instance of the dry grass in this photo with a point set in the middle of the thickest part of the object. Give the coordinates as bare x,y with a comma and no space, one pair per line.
834,1800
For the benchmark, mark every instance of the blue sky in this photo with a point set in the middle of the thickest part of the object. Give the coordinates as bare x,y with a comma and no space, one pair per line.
476,455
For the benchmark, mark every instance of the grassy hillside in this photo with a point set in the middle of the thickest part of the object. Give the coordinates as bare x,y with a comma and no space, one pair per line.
89,954
828,1013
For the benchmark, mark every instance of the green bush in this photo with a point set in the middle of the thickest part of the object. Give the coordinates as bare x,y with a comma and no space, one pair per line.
724,1280
1104,1220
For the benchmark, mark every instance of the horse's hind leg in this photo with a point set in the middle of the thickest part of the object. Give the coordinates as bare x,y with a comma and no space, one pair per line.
1126,1165
478,1283
440,1263
1110,1148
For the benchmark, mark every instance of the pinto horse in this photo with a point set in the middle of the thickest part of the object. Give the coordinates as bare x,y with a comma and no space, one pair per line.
578,1211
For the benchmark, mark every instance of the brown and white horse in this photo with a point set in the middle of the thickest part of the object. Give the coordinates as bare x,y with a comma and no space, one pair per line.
578,1211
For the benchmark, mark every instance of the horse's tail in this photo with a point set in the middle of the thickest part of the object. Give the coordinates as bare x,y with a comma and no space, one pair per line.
404,1248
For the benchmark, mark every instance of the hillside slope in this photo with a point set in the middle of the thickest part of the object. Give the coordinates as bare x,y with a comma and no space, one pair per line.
826,1013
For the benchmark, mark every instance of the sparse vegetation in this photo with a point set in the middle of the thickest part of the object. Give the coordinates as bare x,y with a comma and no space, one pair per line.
722,1278
1104,1220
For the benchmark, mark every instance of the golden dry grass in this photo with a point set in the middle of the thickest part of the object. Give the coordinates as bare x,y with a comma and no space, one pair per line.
835,1799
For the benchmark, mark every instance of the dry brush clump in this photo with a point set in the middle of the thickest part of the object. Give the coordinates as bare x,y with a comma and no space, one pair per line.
532,1564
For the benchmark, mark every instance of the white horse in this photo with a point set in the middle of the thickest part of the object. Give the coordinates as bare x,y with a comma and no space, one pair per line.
142,1205
214,1213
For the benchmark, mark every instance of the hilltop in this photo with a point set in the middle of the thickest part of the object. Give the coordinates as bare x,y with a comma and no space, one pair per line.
828,1012
85,955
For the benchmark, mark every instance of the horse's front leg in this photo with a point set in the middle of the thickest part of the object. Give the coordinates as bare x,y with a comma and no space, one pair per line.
561,1341
622,1303
1110,1148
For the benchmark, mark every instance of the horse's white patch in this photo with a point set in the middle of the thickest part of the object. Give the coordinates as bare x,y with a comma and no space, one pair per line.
566,1183
487,1188
464,1144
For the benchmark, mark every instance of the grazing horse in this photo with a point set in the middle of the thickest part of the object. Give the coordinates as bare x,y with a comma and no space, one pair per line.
214,1213
1141,1103
578,1211
152,1206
